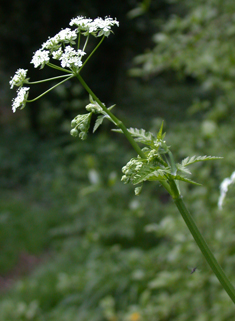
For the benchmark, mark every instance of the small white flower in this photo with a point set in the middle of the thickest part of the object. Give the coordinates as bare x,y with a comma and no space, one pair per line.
40,58
19,78
21,99
71,57
57,54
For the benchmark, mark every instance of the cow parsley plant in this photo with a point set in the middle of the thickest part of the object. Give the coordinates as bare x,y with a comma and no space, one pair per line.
154,162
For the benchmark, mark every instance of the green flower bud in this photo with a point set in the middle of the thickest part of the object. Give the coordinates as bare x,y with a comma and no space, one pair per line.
83,135
91,108
73,123
74,132
82,127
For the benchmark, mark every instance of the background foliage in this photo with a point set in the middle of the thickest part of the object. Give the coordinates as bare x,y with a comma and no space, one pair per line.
76,244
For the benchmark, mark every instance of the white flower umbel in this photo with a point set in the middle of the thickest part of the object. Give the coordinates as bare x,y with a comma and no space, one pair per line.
40,58
224,189
103,27
19,78
68,48
98,27
71,58
81,23
21,98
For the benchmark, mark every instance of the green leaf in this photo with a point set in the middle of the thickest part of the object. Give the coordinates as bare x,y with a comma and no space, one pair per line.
100,119
160,136
111,107
191,160
182,168
184,179
147,173
98,122
140,135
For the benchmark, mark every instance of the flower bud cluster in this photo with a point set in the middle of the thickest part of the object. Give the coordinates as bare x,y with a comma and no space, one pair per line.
80,125
94,108
138,170
131,169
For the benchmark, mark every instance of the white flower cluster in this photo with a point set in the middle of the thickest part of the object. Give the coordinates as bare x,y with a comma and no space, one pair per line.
71,57
224,188
22,94
97,27
19,78
61,47
21,98
66,38
53,46
40,58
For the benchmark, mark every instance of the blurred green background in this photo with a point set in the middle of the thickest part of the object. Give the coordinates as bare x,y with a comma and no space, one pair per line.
75,243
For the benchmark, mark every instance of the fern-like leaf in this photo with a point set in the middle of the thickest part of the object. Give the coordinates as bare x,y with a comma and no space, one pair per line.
183,169
191,160
148,174
140,135
184,179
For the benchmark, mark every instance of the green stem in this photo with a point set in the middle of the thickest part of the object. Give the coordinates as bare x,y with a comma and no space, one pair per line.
93,51
116,121
49,64
44,80
85,44
79,39
53,87
216,268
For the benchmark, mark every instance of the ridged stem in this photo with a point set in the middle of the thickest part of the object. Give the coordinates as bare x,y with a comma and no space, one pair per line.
116,121
211,260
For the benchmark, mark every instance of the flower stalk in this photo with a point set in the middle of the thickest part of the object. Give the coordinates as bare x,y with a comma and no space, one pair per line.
50,89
